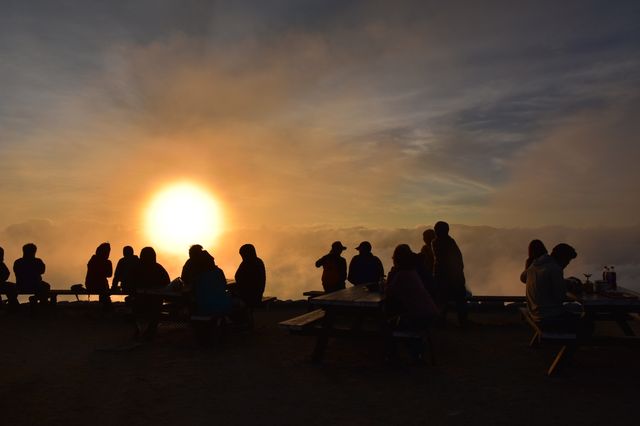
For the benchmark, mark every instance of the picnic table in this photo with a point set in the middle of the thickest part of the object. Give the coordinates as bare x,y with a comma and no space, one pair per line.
351,305
605,306
611,305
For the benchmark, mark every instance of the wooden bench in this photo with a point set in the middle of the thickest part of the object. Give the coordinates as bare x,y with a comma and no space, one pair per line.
303,322
569,341
313,293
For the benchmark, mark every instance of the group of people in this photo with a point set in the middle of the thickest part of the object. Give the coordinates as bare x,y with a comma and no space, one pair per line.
201,280
28,271
420,285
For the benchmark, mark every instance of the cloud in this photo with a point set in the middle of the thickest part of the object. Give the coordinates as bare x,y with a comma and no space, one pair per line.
494,257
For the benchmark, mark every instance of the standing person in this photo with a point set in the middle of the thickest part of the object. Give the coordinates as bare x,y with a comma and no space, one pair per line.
29,270
364,267
334,268
535,250
425,261
210,287
7,287
124,269
448,271
148,274
99,269
189,269
250,277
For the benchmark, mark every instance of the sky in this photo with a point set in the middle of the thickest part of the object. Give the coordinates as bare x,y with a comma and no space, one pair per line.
317,115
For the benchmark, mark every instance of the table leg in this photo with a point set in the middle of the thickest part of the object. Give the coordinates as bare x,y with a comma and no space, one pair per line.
323,337
624,325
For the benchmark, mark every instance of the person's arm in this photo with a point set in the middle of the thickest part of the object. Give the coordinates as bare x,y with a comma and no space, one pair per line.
41,267
109,269
4,272
320,261
558,286
380,267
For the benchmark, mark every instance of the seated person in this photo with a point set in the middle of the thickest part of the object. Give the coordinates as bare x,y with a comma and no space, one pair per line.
209,286
148,274
28,270
99,269
7,287
250,277
364,267
124,268
407,296
546,291
536,249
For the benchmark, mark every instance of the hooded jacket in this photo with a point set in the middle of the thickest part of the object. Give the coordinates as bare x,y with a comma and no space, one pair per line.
546,289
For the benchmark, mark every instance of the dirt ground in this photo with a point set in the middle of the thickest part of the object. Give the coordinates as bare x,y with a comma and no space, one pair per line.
60,368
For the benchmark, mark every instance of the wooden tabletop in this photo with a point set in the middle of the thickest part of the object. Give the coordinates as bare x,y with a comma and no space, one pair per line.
357,296
597,299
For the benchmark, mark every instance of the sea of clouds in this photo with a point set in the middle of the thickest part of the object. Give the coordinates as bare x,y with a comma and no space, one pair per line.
494,257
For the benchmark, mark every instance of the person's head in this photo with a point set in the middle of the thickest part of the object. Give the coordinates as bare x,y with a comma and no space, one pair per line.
127,251
364,247
103,250
148,255
194,251
404,257
337,247
248,251
536,249
29,250
563,254
428,236
441,229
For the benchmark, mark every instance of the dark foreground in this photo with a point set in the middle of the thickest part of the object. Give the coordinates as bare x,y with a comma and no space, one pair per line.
59,368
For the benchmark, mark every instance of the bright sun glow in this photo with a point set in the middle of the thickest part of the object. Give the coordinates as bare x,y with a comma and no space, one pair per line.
181,215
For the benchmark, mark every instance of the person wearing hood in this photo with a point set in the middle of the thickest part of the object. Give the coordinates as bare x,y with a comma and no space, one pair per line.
124,269
334,268
448,271
365,267
546,289
250,277
99,269
148,274
28,271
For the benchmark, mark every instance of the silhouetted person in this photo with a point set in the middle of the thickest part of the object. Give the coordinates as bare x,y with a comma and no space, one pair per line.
99,269
547,289
209,286
189,268
28,270
7,287
448,271
148,274
334,268
535,250
426,260
250,277
364,267
124,269
407,297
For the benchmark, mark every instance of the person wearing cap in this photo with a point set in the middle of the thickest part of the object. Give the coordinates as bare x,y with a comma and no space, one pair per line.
334,268
365,268
448,271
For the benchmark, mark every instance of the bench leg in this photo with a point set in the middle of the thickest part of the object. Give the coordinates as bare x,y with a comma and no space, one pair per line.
535,339
563,357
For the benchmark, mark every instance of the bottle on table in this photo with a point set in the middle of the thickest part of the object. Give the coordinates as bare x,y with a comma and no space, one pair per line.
612,279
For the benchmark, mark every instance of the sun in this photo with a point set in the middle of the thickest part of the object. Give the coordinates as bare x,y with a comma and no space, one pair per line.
181,215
